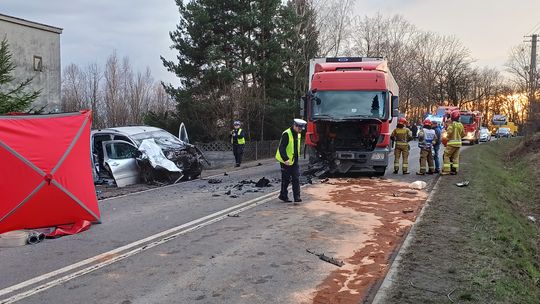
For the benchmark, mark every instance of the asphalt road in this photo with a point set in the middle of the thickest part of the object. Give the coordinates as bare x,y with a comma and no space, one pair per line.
208,256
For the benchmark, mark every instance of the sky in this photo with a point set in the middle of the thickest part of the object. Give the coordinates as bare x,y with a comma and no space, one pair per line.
140,29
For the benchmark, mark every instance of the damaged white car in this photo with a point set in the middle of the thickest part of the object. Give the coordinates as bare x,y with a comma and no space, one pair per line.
131,155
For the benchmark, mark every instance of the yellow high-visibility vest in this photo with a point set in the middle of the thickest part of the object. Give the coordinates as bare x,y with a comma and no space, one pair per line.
290,147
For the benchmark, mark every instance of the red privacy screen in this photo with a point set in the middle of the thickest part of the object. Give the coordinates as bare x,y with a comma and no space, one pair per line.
45,171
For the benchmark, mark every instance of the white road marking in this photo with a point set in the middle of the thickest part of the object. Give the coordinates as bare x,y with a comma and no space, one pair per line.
116,255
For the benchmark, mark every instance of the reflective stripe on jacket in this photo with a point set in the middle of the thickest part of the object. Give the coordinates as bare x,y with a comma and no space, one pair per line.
402,136
454,133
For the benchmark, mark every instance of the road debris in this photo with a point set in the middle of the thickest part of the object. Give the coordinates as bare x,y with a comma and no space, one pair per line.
395,194
233,196
13,238
463,184
228,192
259,164
233,215
408,211
225,174
263,182
215,181
531,218
418,185
326,258
411,192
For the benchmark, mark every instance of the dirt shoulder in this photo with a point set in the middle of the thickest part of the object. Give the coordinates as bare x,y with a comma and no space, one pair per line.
475,244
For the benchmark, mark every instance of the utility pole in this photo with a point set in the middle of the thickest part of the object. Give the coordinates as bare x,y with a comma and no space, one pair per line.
532,73
532,78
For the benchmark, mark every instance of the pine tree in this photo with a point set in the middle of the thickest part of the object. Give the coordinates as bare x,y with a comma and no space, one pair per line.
14,97
238,59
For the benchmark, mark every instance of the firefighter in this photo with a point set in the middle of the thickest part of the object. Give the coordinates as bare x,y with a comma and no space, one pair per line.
288,156
426,139
401,136
454,133
238,140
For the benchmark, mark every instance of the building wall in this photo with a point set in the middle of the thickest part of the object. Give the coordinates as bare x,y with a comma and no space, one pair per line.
25,42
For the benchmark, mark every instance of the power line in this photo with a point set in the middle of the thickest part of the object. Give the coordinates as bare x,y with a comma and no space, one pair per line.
534,29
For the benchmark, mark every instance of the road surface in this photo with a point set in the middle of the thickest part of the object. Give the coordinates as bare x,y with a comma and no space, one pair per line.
195,242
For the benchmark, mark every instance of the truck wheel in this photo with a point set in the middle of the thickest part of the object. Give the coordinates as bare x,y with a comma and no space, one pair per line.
379,171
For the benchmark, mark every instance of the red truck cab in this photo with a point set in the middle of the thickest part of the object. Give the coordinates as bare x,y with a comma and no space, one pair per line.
351,109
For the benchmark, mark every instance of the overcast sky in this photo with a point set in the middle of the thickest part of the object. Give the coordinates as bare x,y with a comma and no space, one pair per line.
139,28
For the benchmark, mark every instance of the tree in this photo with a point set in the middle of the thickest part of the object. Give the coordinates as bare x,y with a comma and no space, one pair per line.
240,59
14,97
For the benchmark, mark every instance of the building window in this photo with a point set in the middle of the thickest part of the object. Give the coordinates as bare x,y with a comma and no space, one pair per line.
38,63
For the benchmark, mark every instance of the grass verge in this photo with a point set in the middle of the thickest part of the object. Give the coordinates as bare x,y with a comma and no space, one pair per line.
475,244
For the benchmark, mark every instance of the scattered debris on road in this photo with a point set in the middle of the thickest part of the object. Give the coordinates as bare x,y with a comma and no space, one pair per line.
418,185
215,181
463,184
233,215
263,182
326,258
408,211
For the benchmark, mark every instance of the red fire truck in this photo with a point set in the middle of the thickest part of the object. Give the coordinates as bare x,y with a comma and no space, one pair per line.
472,122
351,109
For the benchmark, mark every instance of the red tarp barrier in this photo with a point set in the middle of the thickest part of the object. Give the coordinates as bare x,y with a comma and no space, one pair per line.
45,171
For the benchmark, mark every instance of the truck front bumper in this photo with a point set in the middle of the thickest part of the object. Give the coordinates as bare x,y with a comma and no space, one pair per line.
354,161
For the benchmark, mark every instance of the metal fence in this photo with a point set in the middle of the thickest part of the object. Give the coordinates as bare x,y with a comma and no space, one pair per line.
254,150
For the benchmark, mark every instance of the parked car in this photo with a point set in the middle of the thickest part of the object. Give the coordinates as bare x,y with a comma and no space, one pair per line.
503,132
116,155
485,135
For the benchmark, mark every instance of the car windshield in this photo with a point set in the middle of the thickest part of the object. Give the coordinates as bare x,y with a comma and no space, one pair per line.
164,139
504,130
349,104
466,119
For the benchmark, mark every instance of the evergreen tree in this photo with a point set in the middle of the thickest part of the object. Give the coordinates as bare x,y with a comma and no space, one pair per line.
238,59
14,97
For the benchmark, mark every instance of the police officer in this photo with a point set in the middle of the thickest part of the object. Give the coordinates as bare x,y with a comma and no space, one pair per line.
437,146
401,136
454,133
288,155
238,140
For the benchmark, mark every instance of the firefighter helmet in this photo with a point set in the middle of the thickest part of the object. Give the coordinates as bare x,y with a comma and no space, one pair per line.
455,115
427,122
402,121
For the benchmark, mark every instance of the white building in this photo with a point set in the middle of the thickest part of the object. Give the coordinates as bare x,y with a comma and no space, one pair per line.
35,49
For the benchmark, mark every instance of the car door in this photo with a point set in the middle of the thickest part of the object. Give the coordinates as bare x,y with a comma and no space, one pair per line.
120,159
182,133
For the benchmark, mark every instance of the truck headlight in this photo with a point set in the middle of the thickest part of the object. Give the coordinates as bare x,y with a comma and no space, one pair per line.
377,156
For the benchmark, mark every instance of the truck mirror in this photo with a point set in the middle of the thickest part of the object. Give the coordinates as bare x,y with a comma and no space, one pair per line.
395,106
303,100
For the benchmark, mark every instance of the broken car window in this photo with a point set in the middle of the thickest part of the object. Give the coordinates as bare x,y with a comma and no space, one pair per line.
350,104
163,139
121,151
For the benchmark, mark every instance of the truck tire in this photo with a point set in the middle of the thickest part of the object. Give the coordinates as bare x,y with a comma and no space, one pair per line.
379,171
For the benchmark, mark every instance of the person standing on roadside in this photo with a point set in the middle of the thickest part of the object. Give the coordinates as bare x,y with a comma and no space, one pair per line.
455,133
401,136
238,140
437,146
426,139
288,156
414,131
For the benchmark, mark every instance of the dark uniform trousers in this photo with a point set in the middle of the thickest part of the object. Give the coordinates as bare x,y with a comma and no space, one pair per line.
238,151
290,174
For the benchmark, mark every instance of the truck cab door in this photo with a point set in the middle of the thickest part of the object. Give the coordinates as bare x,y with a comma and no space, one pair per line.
120,160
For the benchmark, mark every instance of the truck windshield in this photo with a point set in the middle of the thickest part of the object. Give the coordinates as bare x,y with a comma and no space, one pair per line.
349,104
466,119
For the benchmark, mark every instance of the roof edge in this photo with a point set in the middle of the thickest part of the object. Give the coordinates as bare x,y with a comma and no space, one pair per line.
32,24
